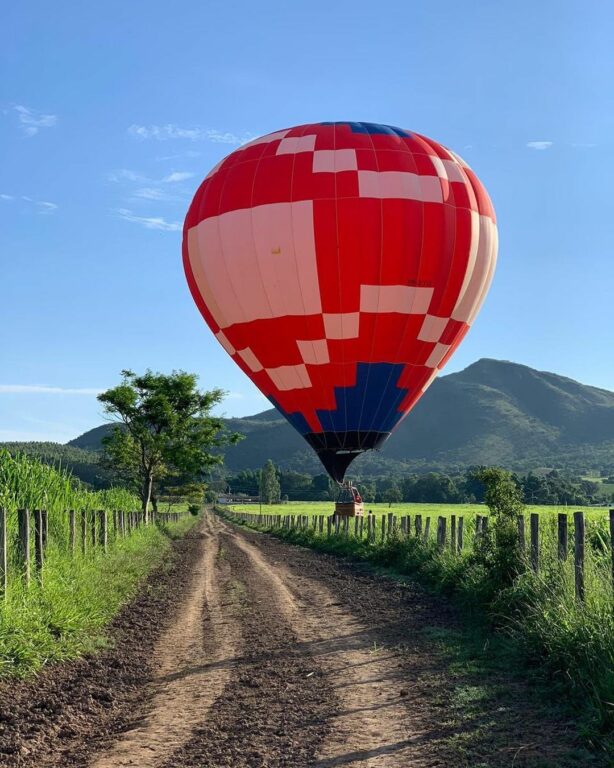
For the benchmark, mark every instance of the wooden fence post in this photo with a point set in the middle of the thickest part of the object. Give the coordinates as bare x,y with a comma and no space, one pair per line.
562,536
361,527
23,548
391,524
478,527
418,524
3,553
383,528
83,531
403,526
453,533
461,525
321,524
329,526
45,527
579,537
103,530
427,529
71,531
93,528
38,543
522,538
441,532
535,541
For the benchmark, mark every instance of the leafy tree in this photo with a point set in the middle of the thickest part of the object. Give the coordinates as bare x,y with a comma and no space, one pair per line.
164,428
499,551
392,495
270,489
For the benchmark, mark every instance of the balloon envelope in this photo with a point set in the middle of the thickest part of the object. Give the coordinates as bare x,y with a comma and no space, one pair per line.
340,265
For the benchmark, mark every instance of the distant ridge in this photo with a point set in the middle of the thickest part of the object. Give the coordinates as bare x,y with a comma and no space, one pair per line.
493,412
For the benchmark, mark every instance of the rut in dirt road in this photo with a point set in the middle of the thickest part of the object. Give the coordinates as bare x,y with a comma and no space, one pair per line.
275,656
184,687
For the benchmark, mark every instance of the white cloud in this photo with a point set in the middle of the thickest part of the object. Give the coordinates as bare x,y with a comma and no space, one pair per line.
177,176
151,193
195,133
179,156
149,222
41,206
31,389
44,206
539,144
32,121
124,174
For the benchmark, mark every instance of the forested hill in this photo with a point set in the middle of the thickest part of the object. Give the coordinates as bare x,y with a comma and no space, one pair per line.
493,412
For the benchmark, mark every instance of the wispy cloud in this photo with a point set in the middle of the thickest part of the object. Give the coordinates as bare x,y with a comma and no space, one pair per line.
44,206
191,153
34,389
152,193
193,133
126,175
149,222
177,176
539,145
40,206
32,121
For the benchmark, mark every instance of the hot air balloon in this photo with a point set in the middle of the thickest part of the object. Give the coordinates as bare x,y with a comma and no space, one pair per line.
340,265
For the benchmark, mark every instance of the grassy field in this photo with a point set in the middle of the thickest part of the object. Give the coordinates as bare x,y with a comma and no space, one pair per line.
64,609
434,510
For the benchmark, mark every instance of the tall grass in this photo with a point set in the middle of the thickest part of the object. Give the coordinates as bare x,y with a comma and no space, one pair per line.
66,613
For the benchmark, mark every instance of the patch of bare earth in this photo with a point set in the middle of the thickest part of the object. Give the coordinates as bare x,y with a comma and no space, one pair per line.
273,656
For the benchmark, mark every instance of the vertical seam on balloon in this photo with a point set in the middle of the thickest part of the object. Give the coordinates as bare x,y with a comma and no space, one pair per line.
381,254
340,287
217,224
200,207
407,317
313,375
251,218
489,270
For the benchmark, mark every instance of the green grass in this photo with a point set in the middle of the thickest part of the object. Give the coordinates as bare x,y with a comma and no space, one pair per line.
433,510
66,613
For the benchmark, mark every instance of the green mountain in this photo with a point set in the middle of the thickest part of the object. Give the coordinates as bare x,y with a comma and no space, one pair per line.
493,412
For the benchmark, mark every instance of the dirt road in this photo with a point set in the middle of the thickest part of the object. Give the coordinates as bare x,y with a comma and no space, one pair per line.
273,655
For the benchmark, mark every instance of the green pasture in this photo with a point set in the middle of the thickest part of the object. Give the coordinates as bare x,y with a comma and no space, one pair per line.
426,510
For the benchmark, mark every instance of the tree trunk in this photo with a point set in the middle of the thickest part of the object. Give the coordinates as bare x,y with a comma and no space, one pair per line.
154,502
146,495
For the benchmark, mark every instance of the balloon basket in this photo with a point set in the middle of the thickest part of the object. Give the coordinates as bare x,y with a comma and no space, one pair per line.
349,502
349,509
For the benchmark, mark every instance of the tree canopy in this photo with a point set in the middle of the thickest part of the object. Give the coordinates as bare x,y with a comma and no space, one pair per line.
164,429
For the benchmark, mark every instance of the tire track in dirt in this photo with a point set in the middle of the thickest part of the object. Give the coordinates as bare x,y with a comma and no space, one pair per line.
276,710
184,688
370,726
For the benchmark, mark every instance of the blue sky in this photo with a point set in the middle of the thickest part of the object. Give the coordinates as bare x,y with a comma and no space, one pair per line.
111,114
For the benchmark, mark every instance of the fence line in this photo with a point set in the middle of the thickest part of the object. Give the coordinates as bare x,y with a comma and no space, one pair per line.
385,528
95,535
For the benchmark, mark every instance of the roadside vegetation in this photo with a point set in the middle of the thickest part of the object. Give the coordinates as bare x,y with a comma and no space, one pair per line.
64,609
160,452
569,641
